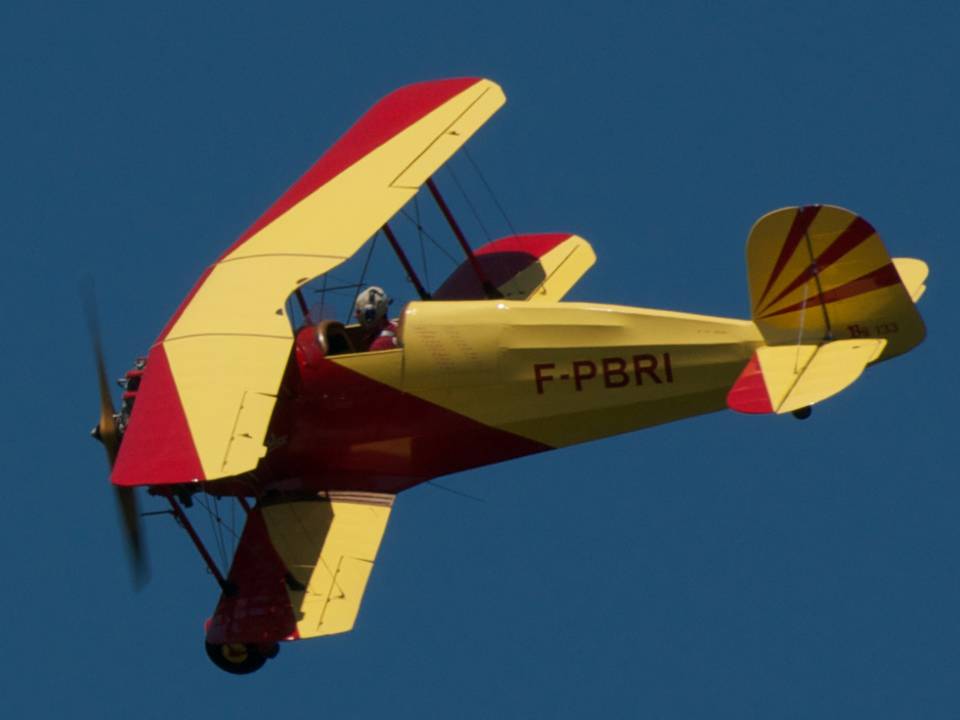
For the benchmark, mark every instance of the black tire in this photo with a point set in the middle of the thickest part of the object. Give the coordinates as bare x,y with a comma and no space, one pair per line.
270,651
803,413
237,658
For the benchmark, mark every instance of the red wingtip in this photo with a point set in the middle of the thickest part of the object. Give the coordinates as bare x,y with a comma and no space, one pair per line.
157,446
392,115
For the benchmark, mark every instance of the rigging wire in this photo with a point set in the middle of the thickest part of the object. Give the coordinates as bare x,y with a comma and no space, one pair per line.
219,528
338,289
423,250
466,198
803,315
493,195
438,486
334,276
816,277
363,274
429,237
217,536
366,263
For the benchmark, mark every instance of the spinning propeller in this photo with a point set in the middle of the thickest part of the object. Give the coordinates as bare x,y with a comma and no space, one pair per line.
107,432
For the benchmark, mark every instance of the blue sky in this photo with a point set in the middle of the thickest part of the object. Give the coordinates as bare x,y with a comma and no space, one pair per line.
725,566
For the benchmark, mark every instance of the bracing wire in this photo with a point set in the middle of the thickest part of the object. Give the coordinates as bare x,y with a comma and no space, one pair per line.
816,277
220,531
493,195
217,535
219,528
233,525
429,237
366,263
338,289
466,199
363,274
438,486
423,249
803,315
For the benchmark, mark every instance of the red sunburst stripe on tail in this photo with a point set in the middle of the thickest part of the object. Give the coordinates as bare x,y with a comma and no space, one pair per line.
801,223
856,232
880,278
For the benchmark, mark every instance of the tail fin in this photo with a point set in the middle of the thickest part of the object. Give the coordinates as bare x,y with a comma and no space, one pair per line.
819,273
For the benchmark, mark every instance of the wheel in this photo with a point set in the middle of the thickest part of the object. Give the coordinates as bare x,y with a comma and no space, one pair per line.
239,658
803,413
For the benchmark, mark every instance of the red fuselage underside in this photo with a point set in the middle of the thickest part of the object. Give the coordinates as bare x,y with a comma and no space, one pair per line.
336,429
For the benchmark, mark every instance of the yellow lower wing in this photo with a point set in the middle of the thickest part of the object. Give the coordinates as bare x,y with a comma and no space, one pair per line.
554,274
328,545
913,274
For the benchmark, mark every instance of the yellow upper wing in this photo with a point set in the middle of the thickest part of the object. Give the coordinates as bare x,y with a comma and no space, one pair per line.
211,380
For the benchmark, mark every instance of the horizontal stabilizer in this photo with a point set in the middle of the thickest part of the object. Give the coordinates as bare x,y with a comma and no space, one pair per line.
785,378
913,274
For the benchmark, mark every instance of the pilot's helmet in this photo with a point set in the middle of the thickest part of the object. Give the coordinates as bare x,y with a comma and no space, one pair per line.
371,306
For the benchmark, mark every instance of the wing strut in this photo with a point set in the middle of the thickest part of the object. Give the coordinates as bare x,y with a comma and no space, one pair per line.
488,286
408,268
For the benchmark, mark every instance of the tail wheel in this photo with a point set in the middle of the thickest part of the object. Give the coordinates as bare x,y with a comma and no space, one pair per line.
240,658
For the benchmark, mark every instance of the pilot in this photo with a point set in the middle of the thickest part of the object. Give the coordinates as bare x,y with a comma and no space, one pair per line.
379,332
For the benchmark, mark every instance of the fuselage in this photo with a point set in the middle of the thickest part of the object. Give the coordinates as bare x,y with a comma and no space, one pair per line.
479,382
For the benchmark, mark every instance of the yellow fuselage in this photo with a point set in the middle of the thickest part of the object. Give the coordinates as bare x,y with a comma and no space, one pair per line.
562,373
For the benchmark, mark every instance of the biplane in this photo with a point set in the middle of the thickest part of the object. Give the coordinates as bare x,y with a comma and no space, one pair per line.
241,398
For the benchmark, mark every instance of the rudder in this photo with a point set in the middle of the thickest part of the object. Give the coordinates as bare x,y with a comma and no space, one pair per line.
819,273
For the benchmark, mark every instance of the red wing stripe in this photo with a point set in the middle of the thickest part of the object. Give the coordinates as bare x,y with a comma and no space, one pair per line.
880,278
393,114
157,446
856,232
801,223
